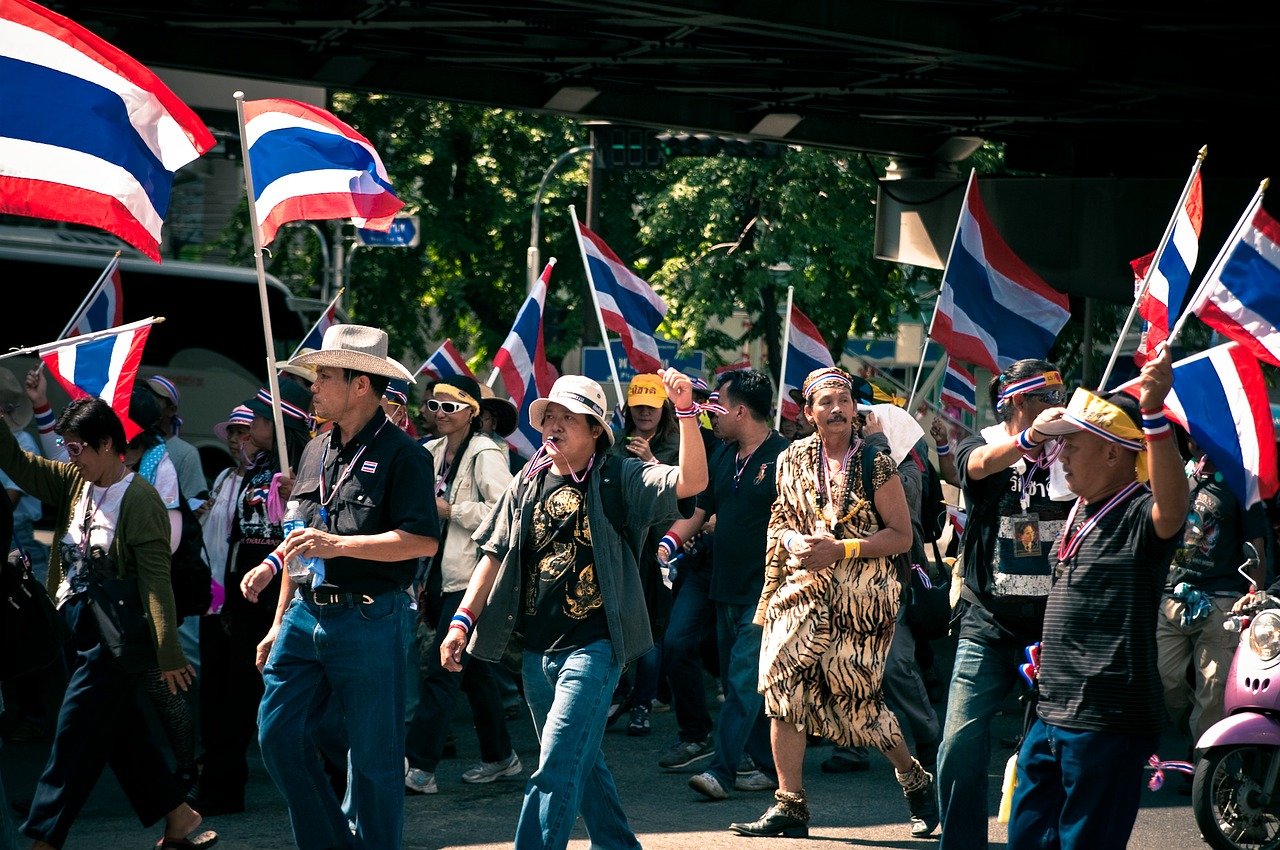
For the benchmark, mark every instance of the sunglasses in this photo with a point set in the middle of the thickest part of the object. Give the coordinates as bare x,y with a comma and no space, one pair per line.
435,406
73,447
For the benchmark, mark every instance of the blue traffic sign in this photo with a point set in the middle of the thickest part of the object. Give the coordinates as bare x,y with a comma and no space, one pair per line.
405,232
596,367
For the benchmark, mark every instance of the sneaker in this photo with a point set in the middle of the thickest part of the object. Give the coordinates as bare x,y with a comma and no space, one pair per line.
419,781
708,786
685,753
756,780
487,771
660,707
639,724
747,765
923,803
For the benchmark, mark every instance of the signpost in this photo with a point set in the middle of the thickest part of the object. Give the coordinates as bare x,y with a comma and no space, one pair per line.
596,367
405,232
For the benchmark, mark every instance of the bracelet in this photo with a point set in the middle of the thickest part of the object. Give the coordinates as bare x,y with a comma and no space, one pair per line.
274,562
852,548
1155,426
1025,442
688,412
671,542
45,420
463,620
943,449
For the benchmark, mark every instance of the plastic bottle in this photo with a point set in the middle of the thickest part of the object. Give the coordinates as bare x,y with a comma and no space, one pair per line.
292,519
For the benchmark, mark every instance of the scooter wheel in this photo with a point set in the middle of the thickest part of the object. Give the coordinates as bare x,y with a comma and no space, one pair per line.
1233,808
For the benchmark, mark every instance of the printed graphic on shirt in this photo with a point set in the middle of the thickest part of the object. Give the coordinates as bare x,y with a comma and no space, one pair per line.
563,571
1021,563
1204,527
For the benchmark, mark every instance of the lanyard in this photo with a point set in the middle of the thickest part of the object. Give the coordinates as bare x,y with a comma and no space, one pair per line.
824,480
1070,546
545,457
1048,455
346,473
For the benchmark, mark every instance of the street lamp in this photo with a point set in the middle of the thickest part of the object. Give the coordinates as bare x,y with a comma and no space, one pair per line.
532,256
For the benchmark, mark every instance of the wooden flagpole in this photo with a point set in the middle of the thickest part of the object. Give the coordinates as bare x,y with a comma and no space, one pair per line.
786,345
93,291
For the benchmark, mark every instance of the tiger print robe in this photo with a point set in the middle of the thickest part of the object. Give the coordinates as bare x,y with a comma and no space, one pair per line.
827,632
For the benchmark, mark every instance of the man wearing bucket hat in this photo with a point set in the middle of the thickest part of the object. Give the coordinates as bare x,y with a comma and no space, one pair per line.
339,634
1101,707
560,569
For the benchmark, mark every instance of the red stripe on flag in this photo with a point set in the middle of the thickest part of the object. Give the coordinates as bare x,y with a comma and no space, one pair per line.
36,198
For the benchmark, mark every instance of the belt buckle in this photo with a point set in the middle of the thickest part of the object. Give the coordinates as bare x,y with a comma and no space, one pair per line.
319,600
366,599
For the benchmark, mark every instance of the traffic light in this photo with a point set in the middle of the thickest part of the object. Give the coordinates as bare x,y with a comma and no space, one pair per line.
705,144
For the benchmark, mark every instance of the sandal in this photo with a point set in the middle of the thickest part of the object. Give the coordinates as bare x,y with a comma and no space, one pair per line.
208,838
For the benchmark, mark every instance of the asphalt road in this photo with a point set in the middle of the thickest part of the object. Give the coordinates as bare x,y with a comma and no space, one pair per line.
860,810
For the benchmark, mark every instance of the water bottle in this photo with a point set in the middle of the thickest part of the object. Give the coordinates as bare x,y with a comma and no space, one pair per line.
299,568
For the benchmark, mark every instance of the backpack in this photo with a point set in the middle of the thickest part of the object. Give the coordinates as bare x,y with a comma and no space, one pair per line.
933,504
189,570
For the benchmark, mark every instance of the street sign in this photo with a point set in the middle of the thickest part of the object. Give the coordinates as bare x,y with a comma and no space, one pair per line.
405,232
596,367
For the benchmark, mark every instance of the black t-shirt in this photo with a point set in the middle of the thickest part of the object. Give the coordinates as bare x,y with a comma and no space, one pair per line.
741,495
561,606
1098,660
1216,529
381,480
1007,548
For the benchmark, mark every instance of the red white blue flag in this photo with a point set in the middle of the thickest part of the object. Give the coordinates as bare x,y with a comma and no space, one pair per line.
993,309
87,134
1170,273
445,362
104,307
1220,397
308,164
628,305
1240,297
806,351
327,319
104,365
959,390
522,363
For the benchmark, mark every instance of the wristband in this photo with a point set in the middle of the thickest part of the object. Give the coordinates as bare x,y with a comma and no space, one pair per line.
852,548
671,542
790,536
45,419
1025,442
273,561
944,449
463,620
688,412
1155,426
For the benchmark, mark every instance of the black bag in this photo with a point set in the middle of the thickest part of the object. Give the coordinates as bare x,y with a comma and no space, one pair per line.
32,630
928,606
189,570
122,622
933,504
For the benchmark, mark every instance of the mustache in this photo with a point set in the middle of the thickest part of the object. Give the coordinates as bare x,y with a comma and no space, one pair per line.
837,417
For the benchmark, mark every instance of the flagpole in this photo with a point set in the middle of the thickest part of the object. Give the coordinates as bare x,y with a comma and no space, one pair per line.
1146,278
273,382
93,291
82,338
786,345
1249,212
924,349
595,299
332,304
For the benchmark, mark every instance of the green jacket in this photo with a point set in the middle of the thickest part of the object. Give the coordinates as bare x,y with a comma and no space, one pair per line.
140,548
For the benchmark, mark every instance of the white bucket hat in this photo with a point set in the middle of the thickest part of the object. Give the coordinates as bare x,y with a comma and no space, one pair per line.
356,347
577,394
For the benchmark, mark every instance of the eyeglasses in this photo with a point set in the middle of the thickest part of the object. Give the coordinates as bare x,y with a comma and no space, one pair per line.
1050,397
73,447
435,406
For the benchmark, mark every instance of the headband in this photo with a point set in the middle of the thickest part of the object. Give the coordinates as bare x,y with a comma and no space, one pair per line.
825,377
457,395
290,410
1099,417
1026,385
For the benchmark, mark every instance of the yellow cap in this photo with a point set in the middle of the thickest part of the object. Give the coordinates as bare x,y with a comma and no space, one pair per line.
646,391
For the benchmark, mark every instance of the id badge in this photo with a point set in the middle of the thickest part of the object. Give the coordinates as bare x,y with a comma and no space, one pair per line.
1026,535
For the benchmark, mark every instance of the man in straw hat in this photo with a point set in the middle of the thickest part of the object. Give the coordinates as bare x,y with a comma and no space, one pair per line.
361,486
560,569
1101,706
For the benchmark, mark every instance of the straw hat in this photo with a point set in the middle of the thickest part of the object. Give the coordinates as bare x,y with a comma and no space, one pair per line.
14,403
356,347
503,411
306,373
577,394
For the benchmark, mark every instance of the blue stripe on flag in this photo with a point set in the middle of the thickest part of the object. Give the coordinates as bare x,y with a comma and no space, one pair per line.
295,150
71,113
636,310
93,364
1253,281
799,365
1173,266
1209,419
971,292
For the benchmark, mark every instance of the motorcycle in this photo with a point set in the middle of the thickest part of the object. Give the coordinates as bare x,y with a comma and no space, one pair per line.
1234,792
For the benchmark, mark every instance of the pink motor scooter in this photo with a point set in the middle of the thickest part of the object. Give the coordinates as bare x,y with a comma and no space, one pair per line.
1236,791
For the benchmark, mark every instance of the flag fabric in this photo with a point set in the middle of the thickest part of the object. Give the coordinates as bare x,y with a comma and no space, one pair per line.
806,351
628,305
1145,345
522,363
105,308
446,362
1241,299
1220,397
88,135
993,309
103,366
327,319
308,164
959,388
1170,280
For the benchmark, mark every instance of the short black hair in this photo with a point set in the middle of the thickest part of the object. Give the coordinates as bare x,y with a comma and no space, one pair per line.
95,421
750,387
378,383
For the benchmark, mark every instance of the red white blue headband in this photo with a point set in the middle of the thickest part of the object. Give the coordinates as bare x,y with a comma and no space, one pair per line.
1027,385
825,377
293,412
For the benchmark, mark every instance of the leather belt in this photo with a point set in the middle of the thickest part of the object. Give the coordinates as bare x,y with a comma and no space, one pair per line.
325,597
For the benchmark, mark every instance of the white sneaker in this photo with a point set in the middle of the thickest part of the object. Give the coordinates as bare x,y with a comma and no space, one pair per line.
708,786
419,781
756,780
487,771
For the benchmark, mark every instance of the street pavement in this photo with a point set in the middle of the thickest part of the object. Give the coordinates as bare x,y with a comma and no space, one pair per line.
857,810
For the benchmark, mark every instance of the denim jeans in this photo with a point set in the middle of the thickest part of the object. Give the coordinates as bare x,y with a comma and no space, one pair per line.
743,725
691,615
568,694
645,674
980,680
1077,790
350,659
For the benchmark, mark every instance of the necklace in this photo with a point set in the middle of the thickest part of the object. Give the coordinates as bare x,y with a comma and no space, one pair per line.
325,500
741,463
1070,545
826,503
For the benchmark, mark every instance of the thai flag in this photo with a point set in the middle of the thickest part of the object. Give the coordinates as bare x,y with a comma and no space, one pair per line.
628,305
1220,397
993,309
446,362
522,362
307,164
959,388
806,351
1171,273
104,366
105,307
327,319
87,134
1241,299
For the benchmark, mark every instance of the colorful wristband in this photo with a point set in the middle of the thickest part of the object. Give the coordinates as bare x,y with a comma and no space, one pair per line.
45,419
852,548
688,412
1155,426
1025,442
670,542
462,620
944,449
274,562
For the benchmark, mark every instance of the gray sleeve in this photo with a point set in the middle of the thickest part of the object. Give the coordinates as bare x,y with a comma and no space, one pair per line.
494,534
650,490
913,485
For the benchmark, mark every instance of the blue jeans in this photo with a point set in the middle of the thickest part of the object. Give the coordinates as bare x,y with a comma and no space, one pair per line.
980,680
568,694
743,725
691,615
349,659
1077,789
645,674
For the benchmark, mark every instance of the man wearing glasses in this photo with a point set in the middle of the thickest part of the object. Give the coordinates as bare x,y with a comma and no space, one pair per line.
1011,480
740,496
